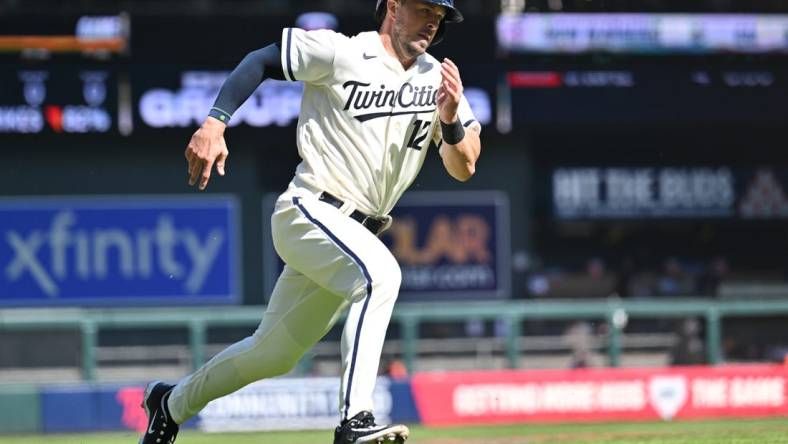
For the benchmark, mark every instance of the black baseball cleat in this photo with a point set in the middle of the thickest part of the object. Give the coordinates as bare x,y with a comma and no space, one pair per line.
161,428
362,428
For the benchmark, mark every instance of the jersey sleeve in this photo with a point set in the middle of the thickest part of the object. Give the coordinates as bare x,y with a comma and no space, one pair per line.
467,118
308,55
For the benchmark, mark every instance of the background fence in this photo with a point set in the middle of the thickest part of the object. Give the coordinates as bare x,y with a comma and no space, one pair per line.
615,312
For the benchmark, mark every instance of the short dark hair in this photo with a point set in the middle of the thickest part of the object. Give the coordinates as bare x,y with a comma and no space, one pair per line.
380,13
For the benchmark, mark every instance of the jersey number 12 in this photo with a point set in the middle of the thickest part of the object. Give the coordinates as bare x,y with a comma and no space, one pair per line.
418,134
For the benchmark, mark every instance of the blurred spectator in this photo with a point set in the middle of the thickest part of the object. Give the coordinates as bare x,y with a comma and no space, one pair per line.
501,328
537,282
595,268
713,275
580,339
594,282
626,273
396,369
474,328
675,281
777,353
538,285
643,285
688,349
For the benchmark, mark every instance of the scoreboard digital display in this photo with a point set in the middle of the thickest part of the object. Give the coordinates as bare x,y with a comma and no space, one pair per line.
57,99
643,33
671,92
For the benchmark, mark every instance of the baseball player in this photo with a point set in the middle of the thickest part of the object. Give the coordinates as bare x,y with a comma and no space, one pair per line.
373,106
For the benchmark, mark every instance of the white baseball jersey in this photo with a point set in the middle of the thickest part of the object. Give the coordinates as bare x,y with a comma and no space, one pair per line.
365,126
366,123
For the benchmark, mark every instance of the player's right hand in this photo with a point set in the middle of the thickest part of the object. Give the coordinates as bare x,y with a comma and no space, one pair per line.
206,148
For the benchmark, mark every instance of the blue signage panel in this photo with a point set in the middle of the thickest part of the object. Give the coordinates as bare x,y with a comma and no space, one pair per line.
93,408
449,245
125,250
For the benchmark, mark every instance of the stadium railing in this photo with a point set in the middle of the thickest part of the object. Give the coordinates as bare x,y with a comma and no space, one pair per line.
616,312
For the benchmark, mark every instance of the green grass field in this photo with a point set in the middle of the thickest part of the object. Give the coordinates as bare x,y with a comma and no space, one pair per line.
767,431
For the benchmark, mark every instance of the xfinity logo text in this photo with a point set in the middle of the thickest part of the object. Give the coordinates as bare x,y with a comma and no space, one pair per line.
86,254
89,253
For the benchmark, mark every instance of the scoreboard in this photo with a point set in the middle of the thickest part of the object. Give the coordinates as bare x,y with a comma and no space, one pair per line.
654,91
56,99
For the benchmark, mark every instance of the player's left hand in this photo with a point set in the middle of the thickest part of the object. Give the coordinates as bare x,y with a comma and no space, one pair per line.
450,91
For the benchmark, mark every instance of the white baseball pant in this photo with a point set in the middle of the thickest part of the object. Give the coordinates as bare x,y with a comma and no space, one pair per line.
332,262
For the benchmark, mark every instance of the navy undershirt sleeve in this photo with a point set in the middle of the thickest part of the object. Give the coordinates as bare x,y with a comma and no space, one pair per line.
264,63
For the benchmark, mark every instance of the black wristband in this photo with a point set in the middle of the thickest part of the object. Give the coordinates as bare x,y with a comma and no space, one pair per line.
453,133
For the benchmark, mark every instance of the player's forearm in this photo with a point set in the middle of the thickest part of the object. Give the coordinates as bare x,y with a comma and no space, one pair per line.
243,81
460,159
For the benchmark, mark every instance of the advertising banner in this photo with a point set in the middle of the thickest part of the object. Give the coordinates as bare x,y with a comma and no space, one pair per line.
275,404
669,192
286,404
177,98
449,245
119,250
601,394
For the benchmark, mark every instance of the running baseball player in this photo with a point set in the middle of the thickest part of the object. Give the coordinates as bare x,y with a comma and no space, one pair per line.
373,106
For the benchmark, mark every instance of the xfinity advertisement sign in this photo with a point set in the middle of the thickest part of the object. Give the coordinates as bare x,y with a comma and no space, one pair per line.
119,250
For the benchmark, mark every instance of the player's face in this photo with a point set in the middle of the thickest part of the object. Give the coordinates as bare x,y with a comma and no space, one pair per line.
416,24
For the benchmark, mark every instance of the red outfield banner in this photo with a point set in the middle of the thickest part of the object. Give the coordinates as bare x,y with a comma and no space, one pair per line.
601,394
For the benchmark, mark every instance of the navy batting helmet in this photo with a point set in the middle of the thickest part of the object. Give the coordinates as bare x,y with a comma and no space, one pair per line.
453,15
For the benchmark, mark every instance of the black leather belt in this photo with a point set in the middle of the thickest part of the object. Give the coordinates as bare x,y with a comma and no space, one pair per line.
371,223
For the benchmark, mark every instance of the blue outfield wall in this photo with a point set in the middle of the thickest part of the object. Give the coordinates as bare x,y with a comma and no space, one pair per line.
403,406
87,408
